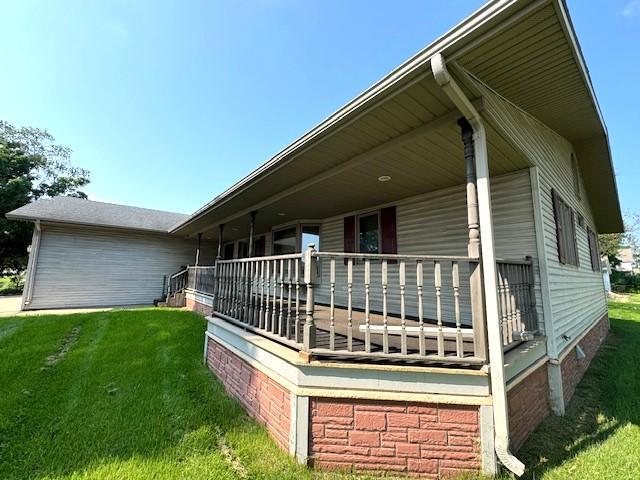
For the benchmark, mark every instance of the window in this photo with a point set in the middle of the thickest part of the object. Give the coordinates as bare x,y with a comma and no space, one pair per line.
309,234
369,233
243,249
373,232
285,241
565,231
594,250
576,175
259,246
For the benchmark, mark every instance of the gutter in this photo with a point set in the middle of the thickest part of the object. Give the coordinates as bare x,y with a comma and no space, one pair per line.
494,336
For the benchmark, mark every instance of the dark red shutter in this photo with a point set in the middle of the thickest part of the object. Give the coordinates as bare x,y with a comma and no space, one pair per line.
557,213
389,240
349,235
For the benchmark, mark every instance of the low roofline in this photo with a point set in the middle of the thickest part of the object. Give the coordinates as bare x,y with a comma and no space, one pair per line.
57,221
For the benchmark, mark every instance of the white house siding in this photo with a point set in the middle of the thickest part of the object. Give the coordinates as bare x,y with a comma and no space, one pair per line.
86,267
576,293
436,224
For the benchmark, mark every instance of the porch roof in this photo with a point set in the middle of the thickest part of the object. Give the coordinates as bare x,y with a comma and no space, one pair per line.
404,127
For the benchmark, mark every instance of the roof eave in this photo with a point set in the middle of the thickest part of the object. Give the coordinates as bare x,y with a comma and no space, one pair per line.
405,71
29,218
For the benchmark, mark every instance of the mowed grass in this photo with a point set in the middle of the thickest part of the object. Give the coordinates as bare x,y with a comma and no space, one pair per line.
599,437
124,395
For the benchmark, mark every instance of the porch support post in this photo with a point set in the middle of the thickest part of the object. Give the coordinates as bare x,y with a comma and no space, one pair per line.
473,221
252,227
309,330
198,249
220,232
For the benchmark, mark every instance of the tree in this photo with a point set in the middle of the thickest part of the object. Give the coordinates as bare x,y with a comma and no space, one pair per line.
31,166
610,243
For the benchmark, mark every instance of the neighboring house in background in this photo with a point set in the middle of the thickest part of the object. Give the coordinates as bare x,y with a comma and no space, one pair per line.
454,295
628,262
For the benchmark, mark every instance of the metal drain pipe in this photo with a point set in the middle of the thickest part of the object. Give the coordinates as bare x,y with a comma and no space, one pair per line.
494,334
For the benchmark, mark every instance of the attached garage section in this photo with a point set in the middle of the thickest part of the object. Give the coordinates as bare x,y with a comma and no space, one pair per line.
86,267
95,254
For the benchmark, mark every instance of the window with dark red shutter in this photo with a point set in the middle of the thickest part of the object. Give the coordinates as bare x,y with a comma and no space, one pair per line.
389,242
594,250
565,230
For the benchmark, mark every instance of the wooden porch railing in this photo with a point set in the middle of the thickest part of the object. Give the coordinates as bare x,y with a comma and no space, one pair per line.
177,282
202,279
517,300
350,305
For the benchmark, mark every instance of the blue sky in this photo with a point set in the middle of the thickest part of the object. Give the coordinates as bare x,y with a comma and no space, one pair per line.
147,92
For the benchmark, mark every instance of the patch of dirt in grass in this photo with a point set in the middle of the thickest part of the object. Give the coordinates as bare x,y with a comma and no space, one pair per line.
66,345
229,455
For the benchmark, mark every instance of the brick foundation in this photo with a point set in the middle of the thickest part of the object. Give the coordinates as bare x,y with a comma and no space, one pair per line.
572,368
528,405
262,397
198,307
424,440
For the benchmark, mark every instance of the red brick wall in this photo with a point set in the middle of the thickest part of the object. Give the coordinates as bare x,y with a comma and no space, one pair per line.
198,307
572,368
528,405
423,440
263,398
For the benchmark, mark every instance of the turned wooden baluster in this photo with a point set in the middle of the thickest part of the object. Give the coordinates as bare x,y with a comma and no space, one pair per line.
289,299
267,303
456,301
438,284
385,320
403,310
332,308
420,285
350,304
367,294
281,312
274,309
261,313
297,317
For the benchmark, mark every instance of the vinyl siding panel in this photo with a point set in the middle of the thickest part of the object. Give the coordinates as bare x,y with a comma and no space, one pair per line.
436,224
577,297
87,267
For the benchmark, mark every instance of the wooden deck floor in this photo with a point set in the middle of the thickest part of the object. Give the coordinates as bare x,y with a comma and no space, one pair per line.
323,322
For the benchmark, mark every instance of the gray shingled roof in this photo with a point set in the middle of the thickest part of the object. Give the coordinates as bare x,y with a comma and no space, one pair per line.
87,212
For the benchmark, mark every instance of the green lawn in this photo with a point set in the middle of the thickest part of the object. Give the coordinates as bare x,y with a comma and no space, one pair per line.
124,394
599,437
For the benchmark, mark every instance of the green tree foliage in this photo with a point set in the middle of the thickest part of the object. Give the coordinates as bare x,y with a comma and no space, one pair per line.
31,166
610,243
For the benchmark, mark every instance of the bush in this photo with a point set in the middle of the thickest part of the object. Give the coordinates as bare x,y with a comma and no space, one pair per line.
11,285
622,282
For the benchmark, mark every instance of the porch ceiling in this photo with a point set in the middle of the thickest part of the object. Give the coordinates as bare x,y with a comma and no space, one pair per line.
419,158
525,50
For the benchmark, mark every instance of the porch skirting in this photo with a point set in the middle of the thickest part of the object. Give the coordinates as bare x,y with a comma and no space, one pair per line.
312,413
199,303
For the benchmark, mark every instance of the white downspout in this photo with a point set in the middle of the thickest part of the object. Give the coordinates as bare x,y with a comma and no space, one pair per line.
494,334
31,265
